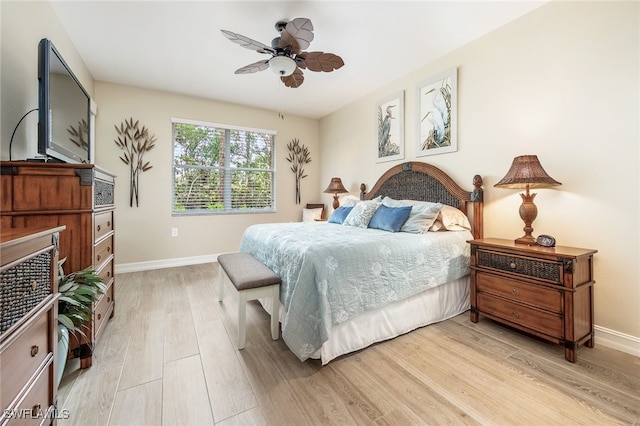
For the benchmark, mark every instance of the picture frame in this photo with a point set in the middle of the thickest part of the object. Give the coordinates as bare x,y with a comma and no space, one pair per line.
390,128
437,109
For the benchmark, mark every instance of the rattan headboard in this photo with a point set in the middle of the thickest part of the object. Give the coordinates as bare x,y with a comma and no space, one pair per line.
424,182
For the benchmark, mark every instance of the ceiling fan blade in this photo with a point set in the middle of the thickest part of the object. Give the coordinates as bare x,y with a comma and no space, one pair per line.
294,80
298,34
248,43
320,61
255,67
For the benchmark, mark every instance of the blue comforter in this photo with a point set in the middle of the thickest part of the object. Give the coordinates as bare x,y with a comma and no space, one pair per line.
331,273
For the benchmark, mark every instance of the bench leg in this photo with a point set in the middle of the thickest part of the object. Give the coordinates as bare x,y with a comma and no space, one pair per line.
275,312
242,318
221,275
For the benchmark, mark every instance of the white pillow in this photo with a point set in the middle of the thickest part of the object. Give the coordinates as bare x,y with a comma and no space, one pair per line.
361,214
421,218
311,215
451,219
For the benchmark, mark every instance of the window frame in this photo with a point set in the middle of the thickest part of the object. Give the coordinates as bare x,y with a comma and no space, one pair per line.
227,192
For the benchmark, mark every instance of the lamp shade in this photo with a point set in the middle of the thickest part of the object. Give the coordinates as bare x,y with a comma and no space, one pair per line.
284,66
526,170
335,187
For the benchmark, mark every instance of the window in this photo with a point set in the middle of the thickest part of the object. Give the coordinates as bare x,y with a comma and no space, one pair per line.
222,169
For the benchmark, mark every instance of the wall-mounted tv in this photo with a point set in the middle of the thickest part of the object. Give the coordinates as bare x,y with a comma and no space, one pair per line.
64,110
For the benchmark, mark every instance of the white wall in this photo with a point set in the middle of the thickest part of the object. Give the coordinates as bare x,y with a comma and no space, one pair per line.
563,83
144,233
23,25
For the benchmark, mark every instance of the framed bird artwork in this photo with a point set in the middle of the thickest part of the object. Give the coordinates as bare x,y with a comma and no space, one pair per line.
390,113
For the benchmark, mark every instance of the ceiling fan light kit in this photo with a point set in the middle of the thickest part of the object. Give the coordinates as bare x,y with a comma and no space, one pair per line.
287,56
284,66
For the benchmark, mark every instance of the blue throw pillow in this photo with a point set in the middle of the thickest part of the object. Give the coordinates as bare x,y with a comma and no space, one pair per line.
390,218
340,214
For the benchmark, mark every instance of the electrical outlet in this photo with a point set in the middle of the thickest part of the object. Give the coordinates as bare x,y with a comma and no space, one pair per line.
174,232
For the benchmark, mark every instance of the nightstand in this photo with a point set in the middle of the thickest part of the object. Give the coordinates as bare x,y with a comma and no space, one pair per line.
543,291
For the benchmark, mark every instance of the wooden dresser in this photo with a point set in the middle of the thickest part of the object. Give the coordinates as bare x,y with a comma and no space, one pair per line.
547,292
28,325
81,197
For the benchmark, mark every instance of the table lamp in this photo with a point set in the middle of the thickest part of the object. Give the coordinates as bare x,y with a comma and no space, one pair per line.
335,187
527,172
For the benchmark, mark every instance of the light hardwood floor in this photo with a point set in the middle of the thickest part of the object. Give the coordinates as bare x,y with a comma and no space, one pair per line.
169,357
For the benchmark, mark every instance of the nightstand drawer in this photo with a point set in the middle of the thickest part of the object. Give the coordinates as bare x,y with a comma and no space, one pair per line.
536,320
535,268
536,295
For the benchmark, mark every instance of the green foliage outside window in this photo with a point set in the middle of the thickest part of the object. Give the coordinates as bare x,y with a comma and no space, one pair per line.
222,170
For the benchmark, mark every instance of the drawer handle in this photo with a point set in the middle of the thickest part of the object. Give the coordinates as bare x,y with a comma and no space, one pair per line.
515,292
515,314
34,284
99,316
108,223
108,298
36,410
108,274
34,350
99,257
513,265
98,228
108,249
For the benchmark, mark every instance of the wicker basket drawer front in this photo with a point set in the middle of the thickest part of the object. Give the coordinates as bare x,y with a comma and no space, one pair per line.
104,250
103,193
103,224
23,287
535,268
37,399
23,357
545,322
545,298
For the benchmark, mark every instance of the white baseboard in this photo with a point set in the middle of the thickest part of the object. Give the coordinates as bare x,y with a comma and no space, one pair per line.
604,336
165,263
618,341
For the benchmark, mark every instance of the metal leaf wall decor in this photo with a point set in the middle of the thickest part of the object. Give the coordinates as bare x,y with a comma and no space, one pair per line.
299,155
135,142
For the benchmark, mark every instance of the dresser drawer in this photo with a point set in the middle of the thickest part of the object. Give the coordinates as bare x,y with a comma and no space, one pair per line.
536,320
22,358
104,249
36,401
106,272
536,268
102,311
103,224
536,295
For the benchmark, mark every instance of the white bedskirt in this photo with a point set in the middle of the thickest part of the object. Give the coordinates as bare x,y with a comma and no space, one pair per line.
433,305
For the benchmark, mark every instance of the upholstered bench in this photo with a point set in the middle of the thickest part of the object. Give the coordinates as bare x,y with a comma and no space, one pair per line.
253,280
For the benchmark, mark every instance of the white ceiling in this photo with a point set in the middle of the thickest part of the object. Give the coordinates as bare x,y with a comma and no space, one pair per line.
177,46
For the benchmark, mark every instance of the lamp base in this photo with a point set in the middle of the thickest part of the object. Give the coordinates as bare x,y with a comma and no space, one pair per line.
526,240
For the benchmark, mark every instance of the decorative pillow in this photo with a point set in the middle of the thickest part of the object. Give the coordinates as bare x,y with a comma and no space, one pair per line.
349,202
390,218
421,218
361,214
339,214
451,219
390,202
311,215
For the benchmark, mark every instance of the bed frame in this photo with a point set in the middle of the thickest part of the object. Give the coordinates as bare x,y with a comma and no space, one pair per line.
424,182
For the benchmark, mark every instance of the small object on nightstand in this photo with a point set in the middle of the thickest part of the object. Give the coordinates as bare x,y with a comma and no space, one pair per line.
546,241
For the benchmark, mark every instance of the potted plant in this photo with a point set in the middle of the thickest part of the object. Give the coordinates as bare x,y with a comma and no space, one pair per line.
78,291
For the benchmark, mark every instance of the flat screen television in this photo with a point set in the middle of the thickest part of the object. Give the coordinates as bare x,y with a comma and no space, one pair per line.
64,109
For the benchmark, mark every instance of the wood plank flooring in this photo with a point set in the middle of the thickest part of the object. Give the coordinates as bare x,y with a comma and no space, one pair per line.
169,357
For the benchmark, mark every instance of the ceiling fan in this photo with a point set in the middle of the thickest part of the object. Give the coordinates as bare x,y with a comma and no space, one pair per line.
287,56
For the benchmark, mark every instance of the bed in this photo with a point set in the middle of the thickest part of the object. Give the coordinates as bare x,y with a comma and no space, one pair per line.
347,287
